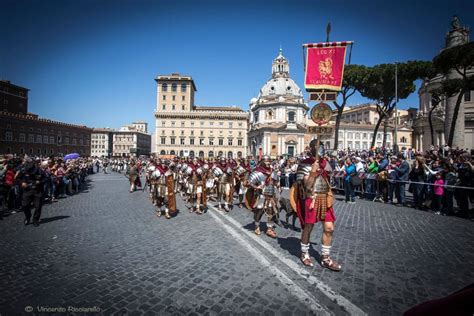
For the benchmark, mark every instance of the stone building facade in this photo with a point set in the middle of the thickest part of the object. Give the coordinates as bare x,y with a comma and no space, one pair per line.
184,129
102,142
22,132
278,115
442,113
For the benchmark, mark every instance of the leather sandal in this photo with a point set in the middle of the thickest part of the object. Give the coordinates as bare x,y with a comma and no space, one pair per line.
306,259
168,216
257,231
327,262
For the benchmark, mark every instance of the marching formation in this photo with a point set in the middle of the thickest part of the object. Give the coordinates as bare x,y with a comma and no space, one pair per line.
202,181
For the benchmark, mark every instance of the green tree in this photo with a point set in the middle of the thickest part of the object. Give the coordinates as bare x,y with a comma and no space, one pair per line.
353,79
379,85
453,63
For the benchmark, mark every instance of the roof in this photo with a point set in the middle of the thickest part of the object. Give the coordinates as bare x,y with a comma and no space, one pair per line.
232,108
102,130
4,81
176,76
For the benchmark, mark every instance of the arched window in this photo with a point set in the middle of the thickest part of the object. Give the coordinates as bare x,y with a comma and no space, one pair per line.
174,87
181,153
201,154
239,154
211,154
164,87
191,153
172,152
162,152
255,117
220,154
403,139
291,116
183,87
230,154
269,115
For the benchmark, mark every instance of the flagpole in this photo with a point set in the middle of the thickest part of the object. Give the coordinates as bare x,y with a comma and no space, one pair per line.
395,141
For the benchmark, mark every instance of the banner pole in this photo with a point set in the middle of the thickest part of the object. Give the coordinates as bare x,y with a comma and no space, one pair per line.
304,61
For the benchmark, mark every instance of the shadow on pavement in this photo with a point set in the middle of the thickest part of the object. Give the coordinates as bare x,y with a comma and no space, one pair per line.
52,219
293,246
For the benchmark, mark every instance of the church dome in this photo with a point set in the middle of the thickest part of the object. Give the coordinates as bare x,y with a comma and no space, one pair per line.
281,84
280,87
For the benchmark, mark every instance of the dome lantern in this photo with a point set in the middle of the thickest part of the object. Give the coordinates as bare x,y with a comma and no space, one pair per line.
280,66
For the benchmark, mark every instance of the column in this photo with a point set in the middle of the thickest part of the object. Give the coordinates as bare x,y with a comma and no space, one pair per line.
422,145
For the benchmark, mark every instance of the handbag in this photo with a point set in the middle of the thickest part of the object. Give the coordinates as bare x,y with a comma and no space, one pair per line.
355,180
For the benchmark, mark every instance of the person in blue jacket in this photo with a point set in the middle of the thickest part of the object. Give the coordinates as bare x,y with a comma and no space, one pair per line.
350,170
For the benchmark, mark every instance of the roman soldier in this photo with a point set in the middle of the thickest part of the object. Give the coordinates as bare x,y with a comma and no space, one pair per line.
160,188
197,180
314,203
242,173
225,185
258,196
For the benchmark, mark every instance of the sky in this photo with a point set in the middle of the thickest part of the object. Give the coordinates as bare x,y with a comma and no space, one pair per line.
94,62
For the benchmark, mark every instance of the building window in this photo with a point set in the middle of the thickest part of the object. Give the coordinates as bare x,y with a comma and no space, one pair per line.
201,141
164,107
269,115
182,107
229,142
379,136
291,116
467,96
163,140
191,141
364,135
173,107
183,87
173,141
221,142
8,136
174,98
211,141
164,97
163,123
357,135
182,141
239,142
255,118
174,87
173,123
349,135
192,132
202,133
164,87
403,139
45,139
39,138
22,137
349,144
183,98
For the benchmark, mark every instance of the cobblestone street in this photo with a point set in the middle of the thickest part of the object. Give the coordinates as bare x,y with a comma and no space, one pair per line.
106,248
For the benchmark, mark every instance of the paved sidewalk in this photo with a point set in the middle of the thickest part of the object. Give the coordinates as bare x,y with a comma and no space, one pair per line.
105,248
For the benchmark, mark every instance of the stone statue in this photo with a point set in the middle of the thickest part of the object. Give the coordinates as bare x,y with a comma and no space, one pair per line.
455,23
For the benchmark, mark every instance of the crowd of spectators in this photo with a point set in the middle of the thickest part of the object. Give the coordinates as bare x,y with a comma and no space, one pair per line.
439,180
58,178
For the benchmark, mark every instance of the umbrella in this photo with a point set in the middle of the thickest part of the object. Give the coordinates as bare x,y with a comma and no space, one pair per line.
71,156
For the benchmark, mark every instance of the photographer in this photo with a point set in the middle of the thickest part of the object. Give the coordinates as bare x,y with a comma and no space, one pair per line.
32,180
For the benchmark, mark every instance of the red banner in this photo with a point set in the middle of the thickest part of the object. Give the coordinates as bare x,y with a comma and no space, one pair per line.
325,68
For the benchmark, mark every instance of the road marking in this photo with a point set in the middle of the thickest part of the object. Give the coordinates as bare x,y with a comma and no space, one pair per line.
324,288
283,278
